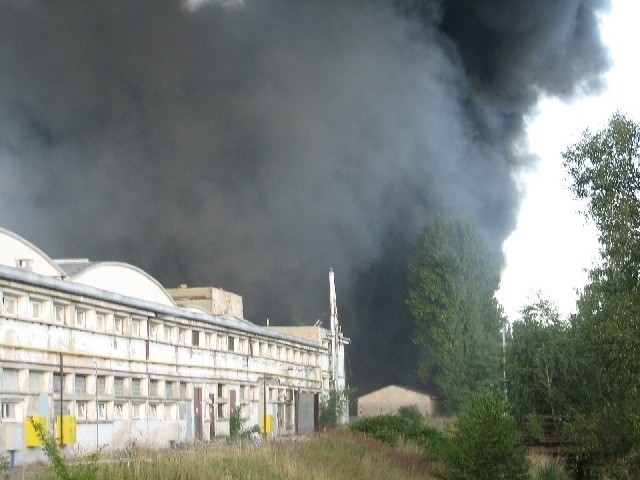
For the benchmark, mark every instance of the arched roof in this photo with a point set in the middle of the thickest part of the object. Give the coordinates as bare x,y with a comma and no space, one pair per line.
14,248
124,279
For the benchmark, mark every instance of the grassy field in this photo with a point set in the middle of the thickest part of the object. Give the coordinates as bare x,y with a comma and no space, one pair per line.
338,455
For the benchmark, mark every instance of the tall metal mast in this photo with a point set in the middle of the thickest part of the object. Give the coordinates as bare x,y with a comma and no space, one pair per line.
333,312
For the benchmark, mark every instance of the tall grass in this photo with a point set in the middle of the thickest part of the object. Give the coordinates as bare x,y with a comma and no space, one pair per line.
336,455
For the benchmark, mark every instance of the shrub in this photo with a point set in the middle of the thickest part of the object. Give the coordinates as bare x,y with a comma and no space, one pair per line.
392,428
412,413
485,444
332,408
237,427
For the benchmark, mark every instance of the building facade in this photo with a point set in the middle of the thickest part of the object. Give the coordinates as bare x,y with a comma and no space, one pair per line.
102,355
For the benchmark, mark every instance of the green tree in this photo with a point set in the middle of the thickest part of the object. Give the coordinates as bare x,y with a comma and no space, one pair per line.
540,362
454,280
485,443
605,168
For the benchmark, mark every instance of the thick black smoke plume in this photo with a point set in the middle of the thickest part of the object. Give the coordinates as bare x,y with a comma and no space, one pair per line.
254,144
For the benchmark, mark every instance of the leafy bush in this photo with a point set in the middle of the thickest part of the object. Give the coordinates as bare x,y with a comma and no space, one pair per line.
411,412
332,408
485,443
392,428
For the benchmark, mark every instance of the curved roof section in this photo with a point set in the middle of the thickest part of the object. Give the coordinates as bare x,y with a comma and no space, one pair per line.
124,279
17,252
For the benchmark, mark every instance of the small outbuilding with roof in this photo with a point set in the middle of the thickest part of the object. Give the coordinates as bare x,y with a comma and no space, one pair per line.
389,399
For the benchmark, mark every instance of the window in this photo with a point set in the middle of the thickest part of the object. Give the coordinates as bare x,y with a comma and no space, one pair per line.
35,308
81,410
182,411
102,410
135,328
153,331
221,410
118,325
57,383
153,411
170,390
81,384
10,305
170,411
183,390
231,344
35,381
167,333
24,263
136,386
8,411
182,336
195,338
118,410
138,410
80,318
153,388
9,380
66,408
101,321
101,385
255,393
60,314
118,386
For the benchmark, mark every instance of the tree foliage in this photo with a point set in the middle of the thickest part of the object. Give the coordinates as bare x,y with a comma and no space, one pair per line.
485,443
541,363
454,279
333,406
605,167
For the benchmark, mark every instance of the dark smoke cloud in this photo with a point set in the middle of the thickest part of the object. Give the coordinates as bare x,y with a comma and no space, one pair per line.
256,144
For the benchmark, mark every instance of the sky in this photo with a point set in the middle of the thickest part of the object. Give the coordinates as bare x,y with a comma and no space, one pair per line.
554,244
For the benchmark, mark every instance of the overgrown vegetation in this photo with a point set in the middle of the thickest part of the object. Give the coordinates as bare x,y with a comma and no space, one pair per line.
5,465
336,455
237,426
59,465
333,407
394,429
412,413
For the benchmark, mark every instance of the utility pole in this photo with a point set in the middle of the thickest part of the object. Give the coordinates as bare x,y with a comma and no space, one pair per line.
95,366
333,312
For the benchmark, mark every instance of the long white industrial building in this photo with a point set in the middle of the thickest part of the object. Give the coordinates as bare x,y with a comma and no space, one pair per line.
103,355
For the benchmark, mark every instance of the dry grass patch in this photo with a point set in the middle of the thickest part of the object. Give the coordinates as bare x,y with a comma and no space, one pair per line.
337,455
